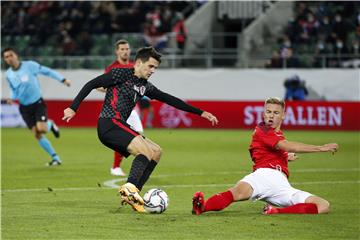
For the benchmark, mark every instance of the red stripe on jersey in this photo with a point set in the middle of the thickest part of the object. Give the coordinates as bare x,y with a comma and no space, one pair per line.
113,103
129,130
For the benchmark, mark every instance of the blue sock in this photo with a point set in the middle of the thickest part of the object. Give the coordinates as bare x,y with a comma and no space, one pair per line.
49,124
46,145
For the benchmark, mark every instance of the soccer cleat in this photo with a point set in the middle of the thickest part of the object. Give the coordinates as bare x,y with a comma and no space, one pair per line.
53,163
198,201
135,206
268,209
117,172
55,129
130,193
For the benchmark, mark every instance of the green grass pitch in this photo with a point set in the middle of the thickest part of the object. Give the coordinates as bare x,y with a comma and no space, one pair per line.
73,202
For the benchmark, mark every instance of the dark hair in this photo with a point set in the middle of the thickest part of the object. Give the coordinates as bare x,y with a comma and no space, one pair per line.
121,41
8,49
147,52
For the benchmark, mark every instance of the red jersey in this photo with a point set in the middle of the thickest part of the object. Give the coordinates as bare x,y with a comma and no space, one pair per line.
263,150
116,64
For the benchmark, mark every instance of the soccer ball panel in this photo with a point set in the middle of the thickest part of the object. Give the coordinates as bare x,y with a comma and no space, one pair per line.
156,201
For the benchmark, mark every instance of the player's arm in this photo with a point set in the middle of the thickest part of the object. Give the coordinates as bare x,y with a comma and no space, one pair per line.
101,89
180,104
104,80
13,97
292,156
297,147
40,69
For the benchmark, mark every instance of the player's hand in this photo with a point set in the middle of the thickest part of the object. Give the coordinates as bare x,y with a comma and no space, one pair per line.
9,101
68,114
67,82
330,147
292,156
210,117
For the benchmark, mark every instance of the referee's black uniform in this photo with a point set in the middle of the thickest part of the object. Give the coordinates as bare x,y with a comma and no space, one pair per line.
124,90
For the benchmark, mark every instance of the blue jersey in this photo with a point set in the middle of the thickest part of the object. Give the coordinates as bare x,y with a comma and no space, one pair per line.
24,83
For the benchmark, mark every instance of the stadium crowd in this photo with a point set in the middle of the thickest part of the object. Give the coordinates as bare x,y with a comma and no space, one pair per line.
86,28
77,25
319,28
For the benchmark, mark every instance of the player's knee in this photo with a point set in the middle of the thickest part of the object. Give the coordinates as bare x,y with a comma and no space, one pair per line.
323,207
41,129
147,153
241,191
157,152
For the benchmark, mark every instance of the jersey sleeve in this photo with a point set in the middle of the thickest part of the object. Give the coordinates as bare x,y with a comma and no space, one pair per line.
104,80
154,93
40,69
12,88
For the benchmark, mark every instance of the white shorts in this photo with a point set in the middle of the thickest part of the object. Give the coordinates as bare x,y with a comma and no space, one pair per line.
135,122
272,186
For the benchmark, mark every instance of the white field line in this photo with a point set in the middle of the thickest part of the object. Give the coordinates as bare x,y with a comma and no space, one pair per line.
111,184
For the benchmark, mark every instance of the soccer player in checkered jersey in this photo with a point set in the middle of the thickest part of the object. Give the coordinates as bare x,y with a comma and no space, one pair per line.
270,152
25,87
125,87
122,51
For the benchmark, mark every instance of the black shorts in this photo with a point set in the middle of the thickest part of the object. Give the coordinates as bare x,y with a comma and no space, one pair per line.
35,112
116,134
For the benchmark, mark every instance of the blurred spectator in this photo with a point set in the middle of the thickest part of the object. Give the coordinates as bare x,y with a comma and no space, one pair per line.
67,43
180,32
295,89
325,29
339,28
33,18
354,47
85,44
320,50
154,34
275,61
321,29
289,60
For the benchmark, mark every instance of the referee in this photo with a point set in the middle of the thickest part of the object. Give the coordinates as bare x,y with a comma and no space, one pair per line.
25,87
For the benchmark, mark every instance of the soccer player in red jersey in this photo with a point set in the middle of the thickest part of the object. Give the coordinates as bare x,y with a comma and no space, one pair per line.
122,51
270,152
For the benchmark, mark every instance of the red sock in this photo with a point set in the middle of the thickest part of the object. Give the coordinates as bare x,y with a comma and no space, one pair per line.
117,159
218,201
300,208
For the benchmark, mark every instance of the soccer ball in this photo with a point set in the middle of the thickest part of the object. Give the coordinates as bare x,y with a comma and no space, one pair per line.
156,201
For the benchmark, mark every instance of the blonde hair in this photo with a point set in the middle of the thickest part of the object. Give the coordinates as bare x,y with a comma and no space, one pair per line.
275,100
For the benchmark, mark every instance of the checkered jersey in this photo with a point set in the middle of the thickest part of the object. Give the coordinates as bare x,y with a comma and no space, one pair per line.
121,98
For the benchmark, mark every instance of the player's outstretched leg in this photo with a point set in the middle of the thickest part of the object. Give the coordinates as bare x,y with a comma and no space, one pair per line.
198,202
312,205
130,194
46,145
300,208
216,202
